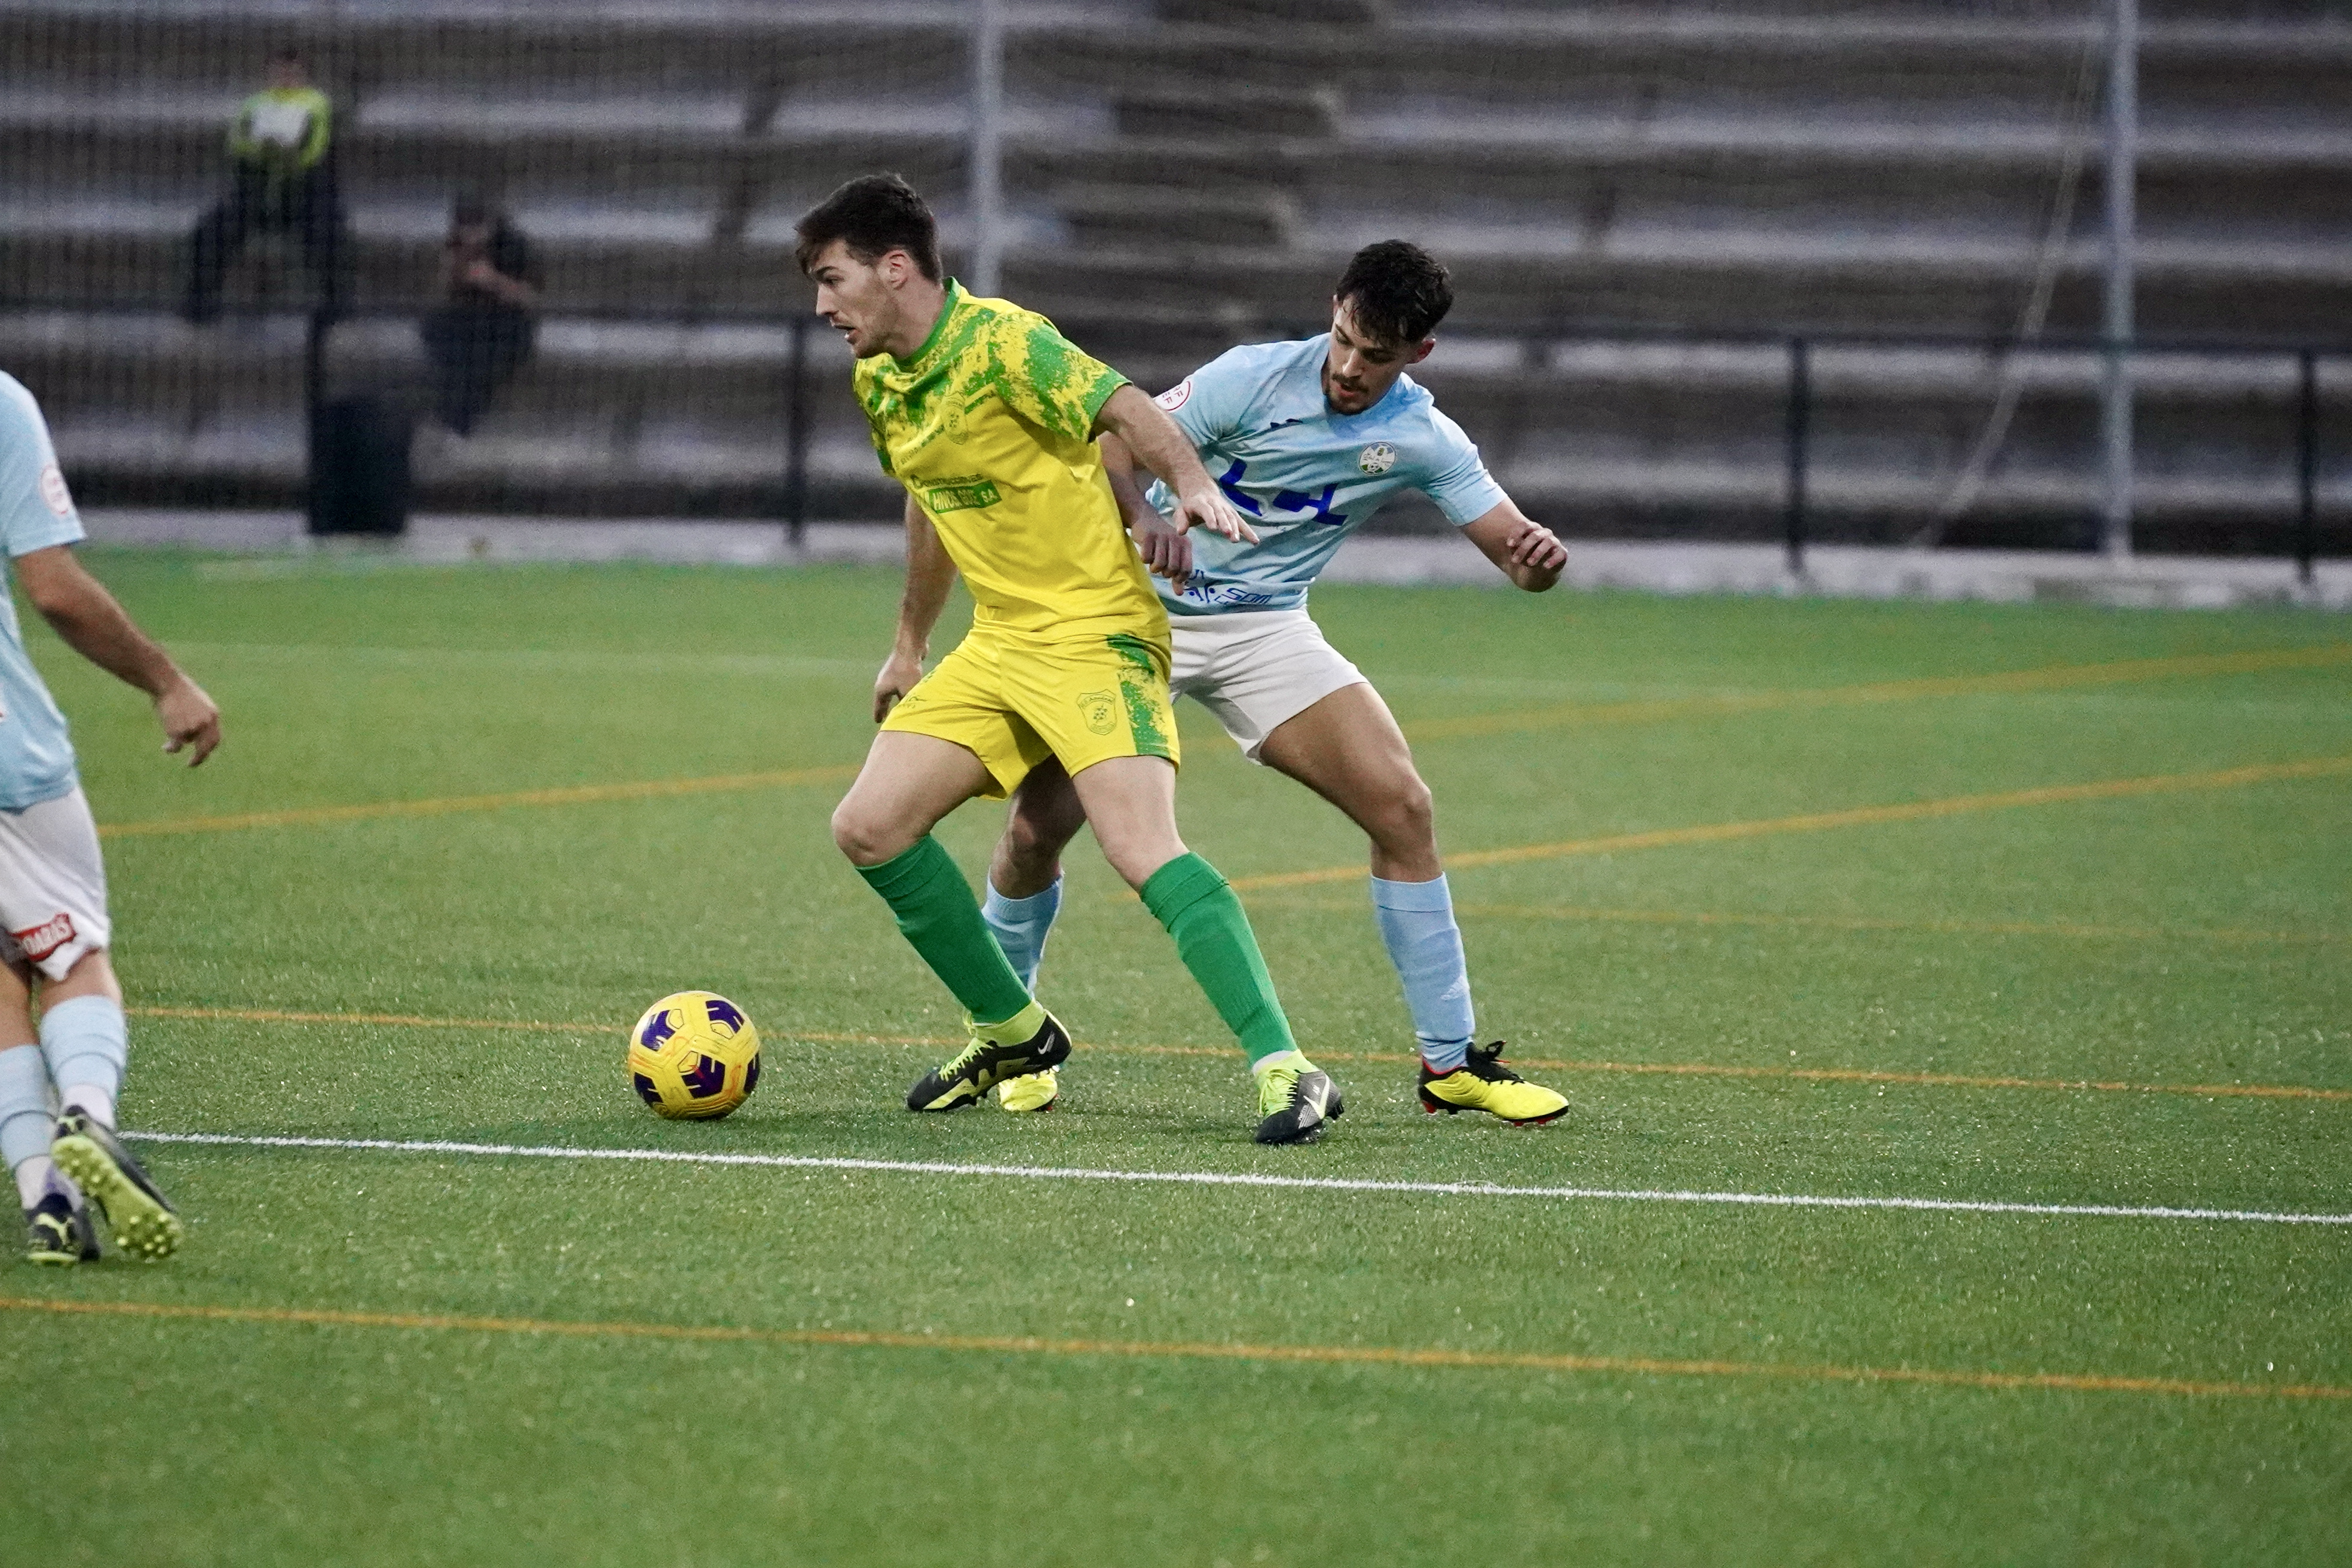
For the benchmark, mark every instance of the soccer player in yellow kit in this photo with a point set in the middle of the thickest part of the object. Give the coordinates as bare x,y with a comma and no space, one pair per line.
988,416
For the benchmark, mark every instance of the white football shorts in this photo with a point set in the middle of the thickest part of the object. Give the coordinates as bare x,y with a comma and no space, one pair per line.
1254,669
52,885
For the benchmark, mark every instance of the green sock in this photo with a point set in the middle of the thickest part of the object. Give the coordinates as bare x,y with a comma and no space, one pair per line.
938,914
1214,937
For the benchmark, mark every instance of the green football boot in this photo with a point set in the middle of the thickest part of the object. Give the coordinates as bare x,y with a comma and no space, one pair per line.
1296,1101
143,1222
1031,1041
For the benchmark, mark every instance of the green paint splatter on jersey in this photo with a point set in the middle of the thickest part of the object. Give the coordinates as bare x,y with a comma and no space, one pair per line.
978,353
1140,680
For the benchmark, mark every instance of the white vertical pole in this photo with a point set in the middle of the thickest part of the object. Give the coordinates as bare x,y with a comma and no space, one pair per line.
2121,179
987,146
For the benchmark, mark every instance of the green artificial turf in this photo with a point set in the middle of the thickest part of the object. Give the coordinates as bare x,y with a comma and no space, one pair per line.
2162,941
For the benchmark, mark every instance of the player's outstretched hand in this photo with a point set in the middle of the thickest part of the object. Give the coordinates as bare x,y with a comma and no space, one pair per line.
1209,508
1538,546
190,719
1166,551
900,673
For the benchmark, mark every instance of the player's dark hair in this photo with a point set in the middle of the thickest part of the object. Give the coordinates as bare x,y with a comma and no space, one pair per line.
873,215
1396,290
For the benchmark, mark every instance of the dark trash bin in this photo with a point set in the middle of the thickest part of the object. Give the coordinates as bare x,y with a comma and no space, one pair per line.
359,467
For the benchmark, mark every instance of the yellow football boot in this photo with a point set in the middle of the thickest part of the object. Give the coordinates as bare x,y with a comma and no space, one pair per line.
1031,1091
1483,1083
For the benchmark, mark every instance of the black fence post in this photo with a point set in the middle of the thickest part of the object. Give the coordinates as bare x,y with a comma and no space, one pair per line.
2306,464
796,438
1800,400
314,397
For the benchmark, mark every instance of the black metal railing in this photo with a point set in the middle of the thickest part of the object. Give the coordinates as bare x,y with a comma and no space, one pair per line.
1799,396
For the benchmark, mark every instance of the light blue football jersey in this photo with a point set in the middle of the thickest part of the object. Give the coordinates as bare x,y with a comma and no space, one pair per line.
37,759
1305,476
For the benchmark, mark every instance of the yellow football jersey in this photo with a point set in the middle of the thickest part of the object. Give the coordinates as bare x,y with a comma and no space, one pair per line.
988,425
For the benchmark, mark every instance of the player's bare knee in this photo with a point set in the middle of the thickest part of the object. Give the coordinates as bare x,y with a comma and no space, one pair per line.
1034,842
16,1004
1135,859
92,974
866,839
1405,819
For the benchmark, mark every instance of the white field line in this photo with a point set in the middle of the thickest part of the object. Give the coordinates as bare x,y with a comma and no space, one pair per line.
1245,1179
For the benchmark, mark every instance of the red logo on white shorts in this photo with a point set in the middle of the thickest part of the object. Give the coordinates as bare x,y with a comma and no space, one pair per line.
39,942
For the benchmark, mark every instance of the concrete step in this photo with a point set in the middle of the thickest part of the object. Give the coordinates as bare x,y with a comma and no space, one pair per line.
1130,215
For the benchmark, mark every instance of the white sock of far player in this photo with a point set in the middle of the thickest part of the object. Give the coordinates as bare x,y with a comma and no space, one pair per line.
26,1124
88,1043
1416,921
1021,926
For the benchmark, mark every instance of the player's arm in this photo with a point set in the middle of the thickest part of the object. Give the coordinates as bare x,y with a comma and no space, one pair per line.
1155,441
1525,551
87,616
314,143
930,573
1165,551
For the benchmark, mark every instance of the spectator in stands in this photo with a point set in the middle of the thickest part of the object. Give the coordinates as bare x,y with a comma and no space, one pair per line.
484,332
283,177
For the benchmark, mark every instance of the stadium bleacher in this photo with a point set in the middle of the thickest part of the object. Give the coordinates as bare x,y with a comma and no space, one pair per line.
1639,203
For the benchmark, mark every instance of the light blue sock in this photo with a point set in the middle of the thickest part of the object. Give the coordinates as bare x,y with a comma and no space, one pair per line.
1417,923
24,1105
1021,925
87,1042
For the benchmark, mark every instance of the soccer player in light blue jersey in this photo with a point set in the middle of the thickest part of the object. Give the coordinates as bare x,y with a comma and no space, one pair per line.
58,1084
1309,439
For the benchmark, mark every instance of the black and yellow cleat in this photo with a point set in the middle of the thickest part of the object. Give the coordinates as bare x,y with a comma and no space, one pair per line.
1031,1041
143,1222
1296,1101
1483,1083
58,1231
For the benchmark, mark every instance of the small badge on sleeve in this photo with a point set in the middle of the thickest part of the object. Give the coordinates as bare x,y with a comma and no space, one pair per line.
1176,397
1377,459
54,492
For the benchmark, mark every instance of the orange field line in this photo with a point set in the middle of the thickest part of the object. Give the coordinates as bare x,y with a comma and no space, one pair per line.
1680,1069
2052,678
575,795
1857,924
1343,1355
1857,817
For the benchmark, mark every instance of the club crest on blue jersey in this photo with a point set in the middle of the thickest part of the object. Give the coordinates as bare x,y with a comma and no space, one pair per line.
1377,459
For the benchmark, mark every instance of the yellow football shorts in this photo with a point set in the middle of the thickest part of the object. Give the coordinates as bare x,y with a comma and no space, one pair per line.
1013,701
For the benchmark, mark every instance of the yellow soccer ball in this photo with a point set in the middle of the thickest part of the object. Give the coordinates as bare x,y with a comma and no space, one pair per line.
694,1056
